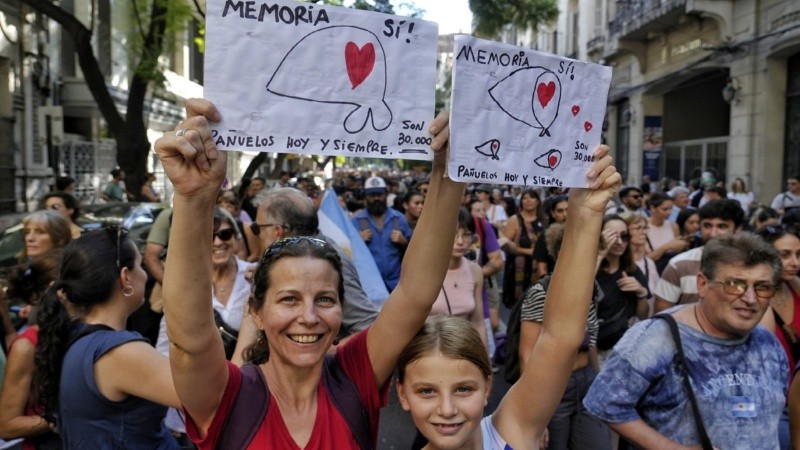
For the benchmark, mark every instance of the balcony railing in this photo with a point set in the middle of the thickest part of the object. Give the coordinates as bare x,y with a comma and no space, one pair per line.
595,43
636,17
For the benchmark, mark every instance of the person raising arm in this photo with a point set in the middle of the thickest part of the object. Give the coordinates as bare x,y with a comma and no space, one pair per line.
296,305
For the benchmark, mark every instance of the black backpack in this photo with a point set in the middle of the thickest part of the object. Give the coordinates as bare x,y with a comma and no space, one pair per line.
514,326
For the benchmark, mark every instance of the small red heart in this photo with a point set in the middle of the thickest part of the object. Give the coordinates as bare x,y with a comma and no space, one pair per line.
359,62
553,161
587,126
545,92
575,110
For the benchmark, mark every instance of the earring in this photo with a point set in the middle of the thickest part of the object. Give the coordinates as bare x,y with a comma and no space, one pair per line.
127,291
262,339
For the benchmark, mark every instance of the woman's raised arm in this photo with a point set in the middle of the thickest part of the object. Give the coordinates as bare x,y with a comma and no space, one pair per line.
424,265
525,411
196,170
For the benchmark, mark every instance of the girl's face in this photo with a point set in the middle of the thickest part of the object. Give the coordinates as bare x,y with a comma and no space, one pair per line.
789,248
37,240
529,202
446,397
462,243
414,206
621,237
692,224
662,211
478,210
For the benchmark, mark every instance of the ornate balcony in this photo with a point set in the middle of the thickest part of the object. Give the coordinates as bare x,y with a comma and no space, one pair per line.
636,19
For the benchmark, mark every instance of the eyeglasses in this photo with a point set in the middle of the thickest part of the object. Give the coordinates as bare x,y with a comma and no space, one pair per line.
465,237
624,237
283,243
738,288
121,234
635,196
256,227
224,235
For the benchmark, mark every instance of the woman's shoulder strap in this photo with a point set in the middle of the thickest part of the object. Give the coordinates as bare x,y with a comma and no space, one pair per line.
345,396
248,410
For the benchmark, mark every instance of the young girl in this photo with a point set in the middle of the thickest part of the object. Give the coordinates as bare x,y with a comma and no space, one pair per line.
445,377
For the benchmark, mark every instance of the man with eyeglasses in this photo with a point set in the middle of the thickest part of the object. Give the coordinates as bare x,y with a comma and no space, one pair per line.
789,199
288,212
678,283
738,371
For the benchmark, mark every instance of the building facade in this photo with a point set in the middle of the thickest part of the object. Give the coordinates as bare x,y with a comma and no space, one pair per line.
50,124
697,84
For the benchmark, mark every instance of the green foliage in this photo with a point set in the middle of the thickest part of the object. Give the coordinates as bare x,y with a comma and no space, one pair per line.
175,14
374,5
490,16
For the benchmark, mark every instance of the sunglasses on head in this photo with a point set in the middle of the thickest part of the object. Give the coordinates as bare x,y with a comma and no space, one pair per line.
283,243
224,235
121,234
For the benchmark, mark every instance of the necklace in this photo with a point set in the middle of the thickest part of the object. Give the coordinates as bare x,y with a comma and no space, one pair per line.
698,320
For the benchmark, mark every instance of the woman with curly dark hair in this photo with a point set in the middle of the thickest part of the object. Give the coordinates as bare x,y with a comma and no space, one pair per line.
106,386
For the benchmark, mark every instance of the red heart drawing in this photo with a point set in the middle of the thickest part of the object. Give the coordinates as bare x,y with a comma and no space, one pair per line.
359,62
587,126
553,161
575,110
545,92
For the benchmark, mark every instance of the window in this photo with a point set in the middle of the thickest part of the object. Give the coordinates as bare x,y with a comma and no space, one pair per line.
791,150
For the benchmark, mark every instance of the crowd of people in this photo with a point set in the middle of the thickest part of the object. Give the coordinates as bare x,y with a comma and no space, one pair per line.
652,316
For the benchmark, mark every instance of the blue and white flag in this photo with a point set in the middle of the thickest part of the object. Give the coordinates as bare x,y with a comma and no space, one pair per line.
334,223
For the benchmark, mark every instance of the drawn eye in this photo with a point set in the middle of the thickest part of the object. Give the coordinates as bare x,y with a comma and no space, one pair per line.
531,95
549,160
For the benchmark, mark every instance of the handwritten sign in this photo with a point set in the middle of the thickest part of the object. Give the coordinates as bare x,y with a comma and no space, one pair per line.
315,79
523,117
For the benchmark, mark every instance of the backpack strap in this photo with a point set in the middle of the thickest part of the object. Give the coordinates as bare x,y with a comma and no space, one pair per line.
347,400
248,411
252,400
87,330
683,369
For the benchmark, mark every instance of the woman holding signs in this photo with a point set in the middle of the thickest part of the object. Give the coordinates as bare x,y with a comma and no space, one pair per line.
297,307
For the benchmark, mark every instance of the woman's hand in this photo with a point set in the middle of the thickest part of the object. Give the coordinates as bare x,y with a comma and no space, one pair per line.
189,155
678,244
627,283
604,182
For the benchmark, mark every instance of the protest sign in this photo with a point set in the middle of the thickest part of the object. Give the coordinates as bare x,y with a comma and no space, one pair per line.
523,117
316,79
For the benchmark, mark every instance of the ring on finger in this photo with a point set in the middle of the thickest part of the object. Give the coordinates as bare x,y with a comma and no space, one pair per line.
181,132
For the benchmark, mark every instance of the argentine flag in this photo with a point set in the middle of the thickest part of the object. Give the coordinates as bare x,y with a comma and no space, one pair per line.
334,223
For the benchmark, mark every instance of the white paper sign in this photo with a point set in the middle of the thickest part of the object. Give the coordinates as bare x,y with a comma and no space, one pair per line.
523,117
315,79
